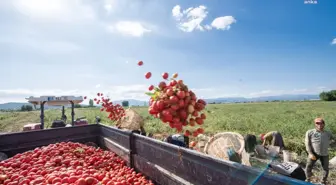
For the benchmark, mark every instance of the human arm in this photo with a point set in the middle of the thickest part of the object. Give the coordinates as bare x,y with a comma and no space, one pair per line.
264,142
308,143
309,146
267,137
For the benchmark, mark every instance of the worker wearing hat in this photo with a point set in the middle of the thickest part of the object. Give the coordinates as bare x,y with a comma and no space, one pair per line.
317,142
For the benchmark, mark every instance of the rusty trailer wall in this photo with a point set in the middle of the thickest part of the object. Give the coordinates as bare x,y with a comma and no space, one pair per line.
164,163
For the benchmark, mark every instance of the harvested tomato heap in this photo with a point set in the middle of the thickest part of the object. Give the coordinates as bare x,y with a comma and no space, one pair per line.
175,104
68,163
116,111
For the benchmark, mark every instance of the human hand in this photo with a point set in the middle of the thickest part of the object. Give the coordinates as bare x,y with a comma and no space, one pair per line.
312,157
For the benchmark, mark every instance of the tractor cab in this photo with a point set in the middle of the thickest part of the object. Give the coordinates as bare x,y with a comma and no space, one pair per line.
56,101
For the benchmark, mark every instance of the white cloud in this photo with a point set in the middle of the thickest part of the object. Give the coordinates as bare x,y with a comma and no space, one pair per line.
333,41
109,5
223,23
98,85
54,10
131,28
192,18
176,11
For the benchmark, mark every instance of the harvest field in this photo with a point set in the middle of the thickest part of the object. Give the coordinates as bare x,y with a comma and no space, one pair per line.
292,119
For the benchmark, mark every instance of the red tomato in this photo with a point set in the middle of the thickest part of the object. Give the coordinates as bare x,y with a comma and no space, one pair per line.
91,180
65,180
81,181
165,75
57,179
187,133
3,177
180,94
162,85
63,161
73,179
199,120
148,75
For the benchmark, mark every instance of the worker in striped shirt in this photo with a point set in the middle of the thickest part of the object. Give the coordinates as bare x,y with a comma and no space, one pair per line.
317,142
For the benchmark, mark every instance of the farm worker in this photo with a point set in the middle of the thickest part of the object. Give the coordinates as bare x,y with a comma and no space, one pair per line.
178,139
317,142
273,138
250,143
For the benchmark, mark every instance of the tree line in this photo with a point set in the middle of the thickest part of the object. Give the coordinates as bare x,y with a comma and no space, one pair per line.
328,96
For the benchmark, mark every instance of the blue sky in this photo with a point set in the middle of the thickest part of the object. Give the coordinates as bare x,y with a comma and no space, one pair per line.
219,48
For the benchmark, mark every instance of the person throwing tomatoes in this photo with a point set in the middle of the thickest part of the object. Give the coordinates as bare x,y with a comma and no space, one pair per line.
317,142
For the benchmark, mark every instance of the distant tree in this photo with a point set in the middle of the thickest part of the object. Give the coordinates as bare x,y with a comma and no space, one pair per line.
29,107
91,103
125,103
77,106
328,96
26,108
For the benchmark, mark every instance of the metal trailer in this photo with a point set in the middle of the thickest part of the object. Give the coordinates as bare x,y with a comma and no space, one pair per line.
161,162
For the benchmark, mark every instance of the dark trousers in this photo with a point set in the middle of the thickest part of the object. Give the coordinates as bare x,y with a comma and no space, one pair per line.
278,140
325,165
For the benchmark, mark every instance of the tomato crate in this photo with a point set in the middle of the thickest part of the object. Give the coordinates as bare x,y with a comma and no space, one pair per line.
163,163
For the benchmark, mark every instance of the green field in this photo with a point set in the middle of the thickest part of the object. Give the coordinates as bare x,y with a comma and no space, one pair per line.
292,119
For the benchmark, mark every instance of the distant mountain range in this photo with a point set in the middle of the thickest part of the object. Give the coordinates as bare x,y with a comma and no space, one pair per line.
133,102
289,97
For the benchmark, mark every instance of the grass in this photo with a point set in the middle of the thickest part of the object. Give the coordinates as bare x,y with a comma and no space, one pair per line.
292,119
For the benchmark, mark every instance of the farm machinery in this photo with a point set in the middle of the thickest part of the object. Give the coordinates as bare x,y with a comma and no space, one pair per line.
56,101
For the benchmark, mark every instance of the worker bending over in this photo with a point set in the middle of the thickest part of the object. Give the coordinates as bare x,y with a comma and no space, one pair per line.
273,138
317,142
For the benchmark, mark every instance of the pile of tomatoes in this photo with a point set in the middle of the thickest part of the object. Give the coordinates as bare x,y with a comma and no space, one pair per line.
68,163
174,103
116,111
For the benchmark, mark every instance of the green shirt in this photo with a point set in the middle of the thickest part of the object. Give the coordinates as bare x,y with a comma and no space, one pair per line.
318,142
